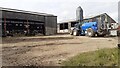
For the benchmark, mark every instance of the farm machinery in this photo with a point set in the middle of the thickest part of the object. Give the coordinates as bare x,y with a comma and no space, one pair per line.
100,25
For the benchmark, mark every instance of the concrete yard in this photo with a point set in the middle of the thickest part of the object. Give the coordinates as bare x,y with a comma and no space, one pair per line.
49,50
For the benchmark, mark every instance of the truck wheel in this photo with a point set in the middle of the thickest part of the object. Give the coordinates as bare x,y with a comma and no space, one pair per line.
75,32
90,32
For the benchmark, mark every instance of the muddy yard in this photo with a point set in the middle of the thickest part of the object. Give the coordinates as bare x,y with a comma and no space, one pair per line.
49,50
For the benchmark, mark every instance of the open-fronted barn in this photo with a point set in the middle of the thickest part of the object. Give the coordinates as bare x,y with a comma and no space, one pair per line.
26,22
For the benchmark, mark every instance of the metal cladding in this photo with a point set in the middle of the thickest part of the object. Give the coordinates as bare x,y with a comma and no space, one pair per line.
26,22
79,14
51,25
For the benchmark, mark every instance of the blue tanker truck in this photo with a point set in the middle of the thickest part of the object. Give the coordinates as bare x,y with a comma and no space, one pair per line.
92,29
89,29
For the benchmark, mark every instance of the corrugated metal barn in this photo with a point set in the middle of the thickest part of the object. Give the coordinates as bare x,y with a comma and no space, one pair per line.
27,22
65,27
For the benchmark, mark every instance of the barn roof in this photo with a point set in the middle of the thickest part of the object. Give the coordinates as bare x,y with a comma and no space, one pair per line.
23,11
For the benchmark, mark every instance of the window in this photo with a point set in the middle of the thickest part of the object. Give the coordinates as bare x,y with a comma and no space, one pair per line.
65,25
73,24
61,26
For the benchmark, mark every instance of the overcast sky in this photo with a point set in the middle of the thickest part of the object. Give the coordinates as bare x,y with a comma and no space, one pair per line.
65,9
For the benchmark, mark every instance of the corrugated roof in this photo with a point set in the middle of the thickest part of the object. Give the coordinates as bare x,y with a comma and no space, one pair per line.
100,15
23,11
92,18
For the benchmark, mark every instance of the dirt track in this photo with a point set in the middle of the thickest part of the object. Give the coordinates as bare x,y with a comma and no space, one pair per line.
49,50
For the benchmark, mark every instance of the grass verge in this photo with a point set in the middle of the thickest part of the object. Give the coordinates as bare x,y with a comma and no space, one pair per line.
103,57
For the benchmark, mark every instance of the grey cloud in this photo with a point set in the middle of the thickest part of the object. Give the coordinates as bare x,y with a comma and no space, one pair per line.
65,9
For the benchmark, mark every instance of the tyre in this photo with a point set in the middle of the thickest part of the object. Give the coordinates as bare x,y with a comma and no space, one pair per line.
75,32
101,34
90,32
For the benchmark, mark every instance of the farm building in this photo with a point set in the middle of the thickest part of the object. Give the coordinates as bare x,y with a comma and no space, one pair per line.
65,27
26,22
